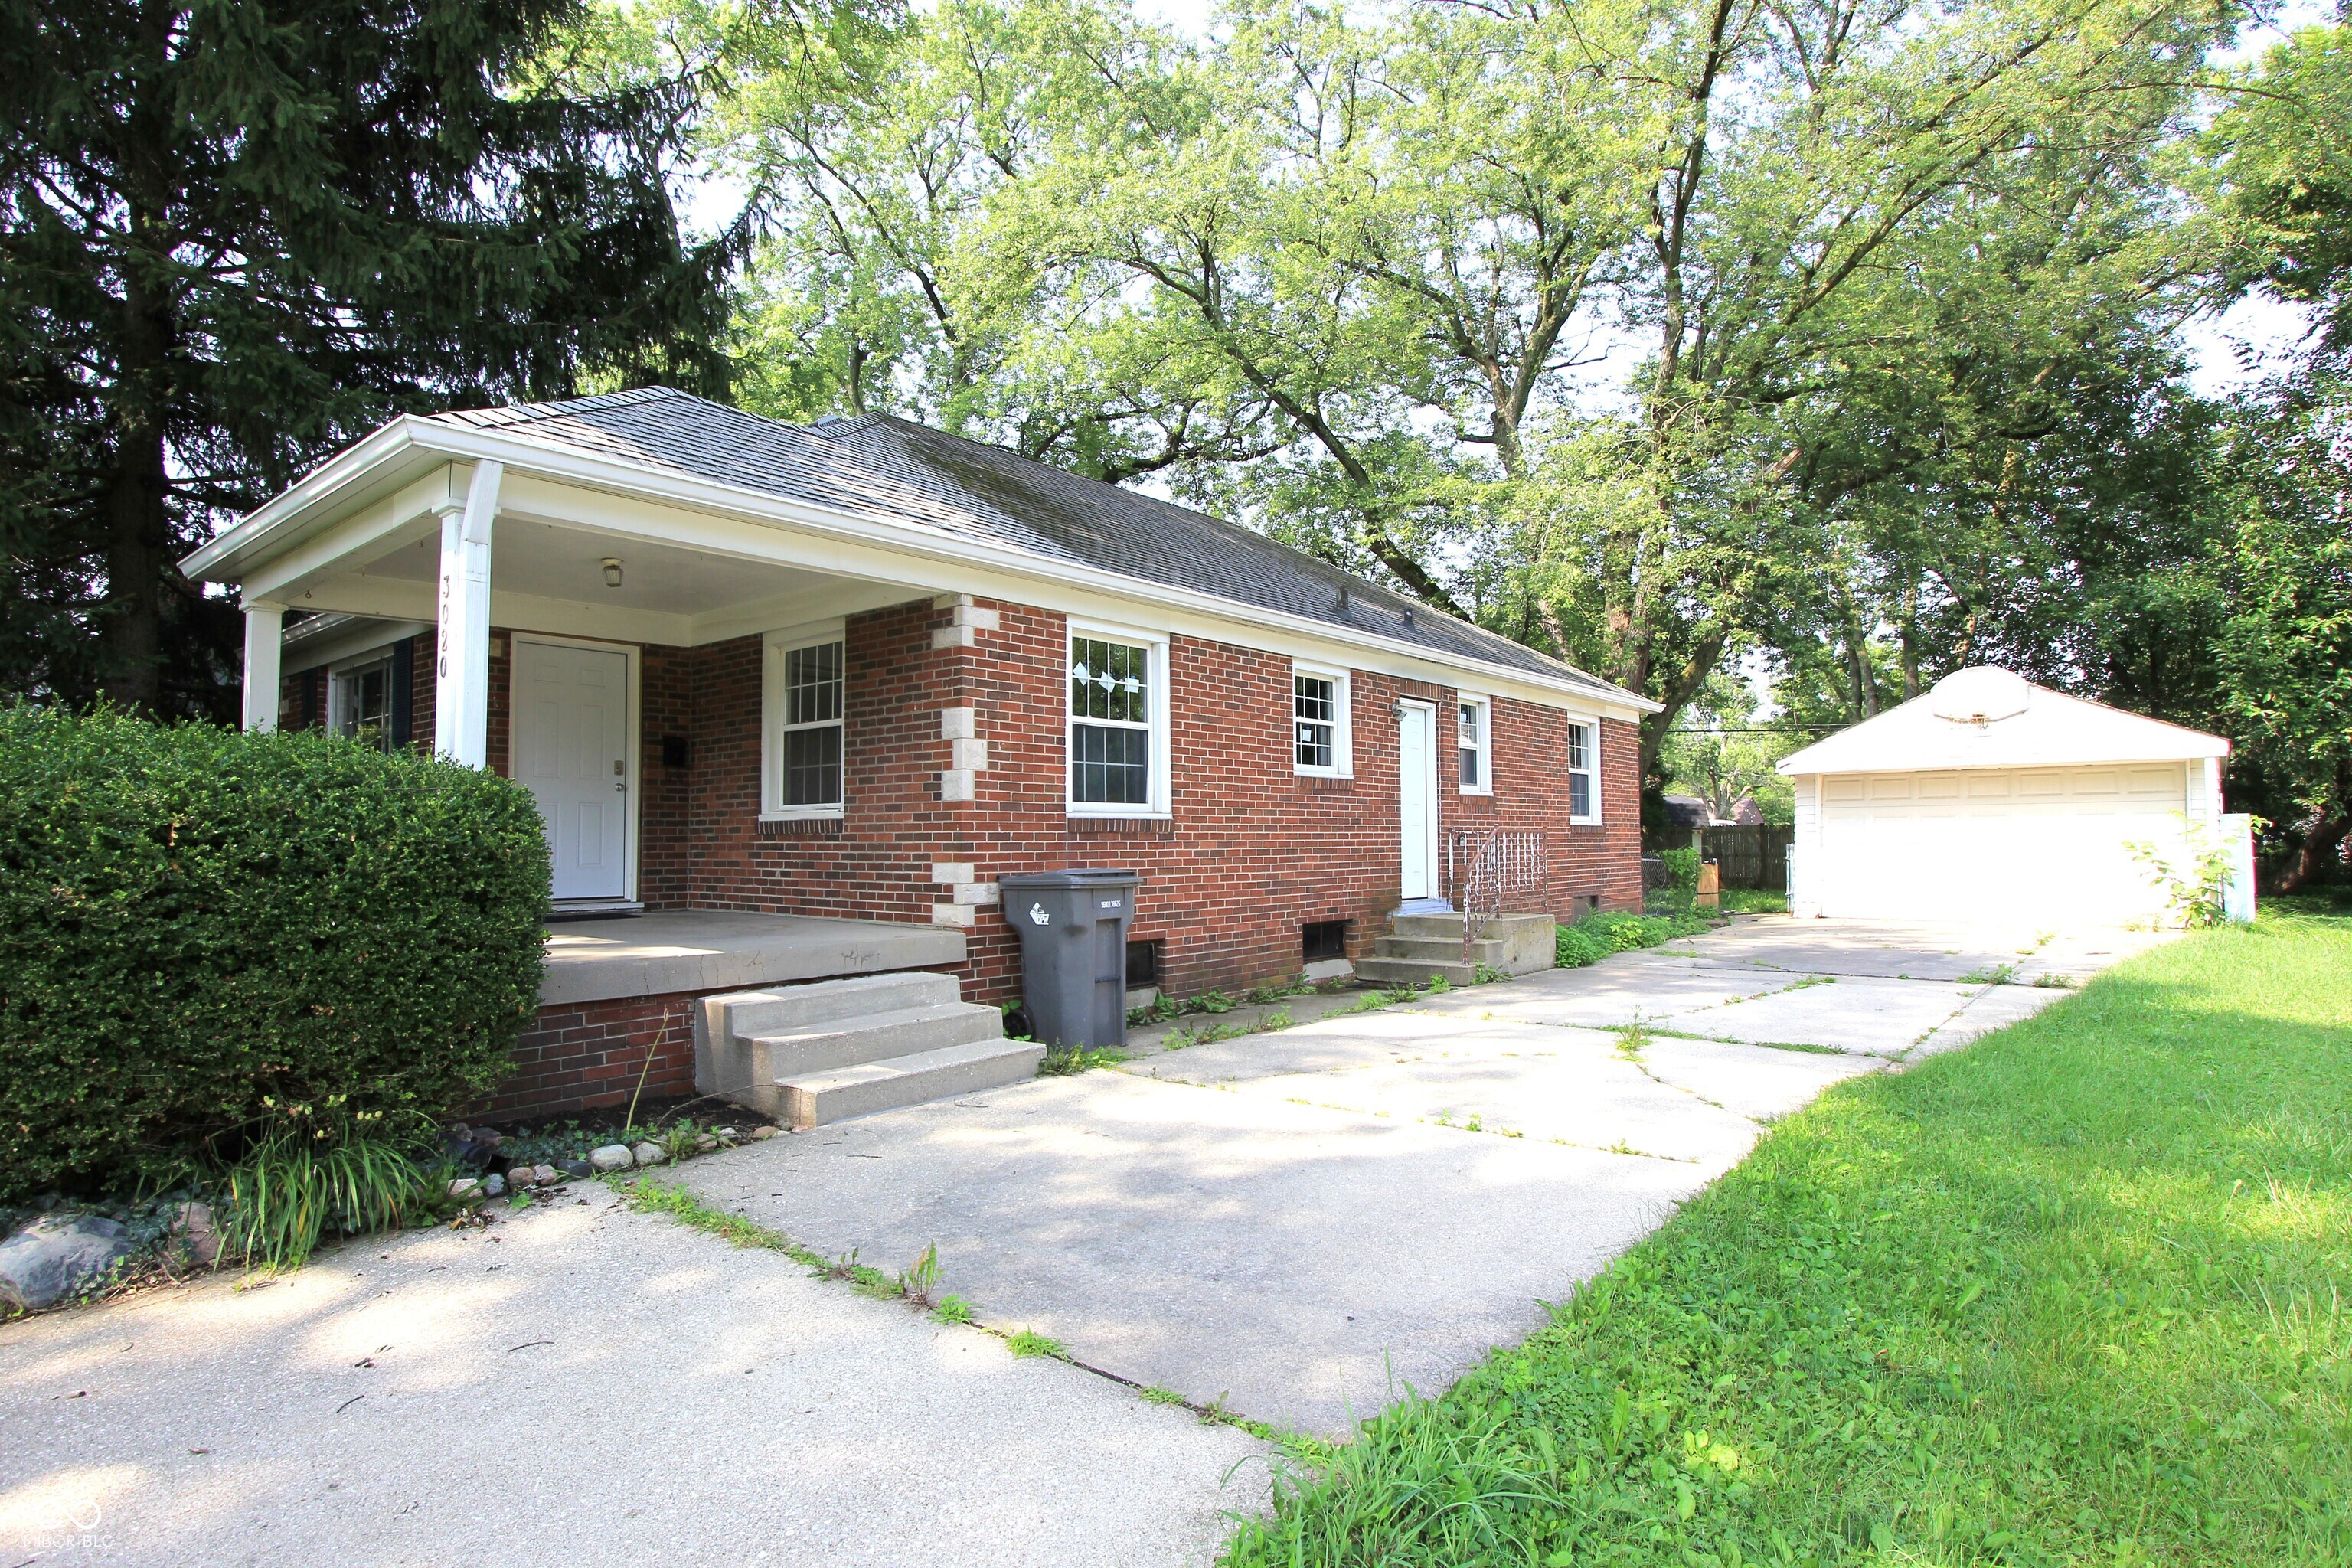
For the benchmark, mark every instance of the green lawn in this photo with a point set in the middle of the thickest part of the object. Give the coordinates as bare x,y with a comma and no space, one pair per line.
2075,1294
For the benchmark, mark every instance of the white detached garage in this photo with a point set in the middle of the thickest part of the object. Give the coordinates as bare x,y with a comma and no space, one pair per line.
1993,799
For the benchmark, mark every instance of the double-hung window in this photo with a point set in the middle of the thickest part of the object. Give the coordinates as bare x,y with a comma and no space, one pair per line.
805,685
1475,725
1584,772
1117,718
1318,722
359,702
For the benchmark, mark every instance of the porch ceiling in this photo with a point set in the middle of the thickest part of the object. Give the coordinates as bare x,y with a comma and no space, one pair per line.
551,578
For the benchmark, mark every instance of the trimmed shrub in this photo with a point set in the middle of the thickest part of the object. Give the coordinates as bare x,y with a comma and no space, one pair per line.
201,931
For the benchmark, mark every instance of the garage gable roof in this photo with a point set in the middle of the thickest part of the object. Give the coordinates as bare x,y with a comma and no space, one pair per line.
2045,729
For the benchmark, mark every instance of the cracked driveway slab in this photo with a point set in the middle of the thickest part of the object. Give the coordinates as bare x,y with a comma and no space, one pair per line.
1618,991
1304,1264
580,1384
1867,1017
1559,1085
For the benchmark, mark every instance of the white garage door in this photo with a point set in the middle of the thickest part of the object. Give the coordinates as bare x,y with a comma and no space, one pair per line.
2006,845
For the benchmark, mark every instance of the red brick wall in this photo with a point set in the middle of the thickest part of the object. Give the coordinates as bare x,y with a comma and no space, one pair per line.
584,1054
1253,852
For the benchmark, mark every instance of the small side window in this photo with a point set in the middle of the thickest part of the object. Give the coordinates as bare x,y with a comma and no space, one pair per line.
1322,940
1583,772
1475,745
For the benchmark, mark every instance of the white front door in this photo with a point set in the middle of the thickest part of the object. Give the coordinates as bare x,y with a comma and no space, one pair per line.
572,751
1417,797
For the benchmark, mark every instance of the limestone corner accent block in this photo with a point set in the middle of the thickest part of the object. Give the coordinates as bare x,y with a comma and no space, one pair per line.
978,893
960,915
968,755
946,871
964,619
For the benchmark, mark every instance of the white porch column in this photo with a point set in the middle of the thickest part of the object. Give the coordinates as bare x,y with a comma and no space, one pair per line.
264,643
461,671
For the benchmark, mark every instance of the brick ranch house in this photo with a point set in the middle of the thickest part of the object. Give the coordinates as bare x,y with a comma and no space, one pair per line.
860,670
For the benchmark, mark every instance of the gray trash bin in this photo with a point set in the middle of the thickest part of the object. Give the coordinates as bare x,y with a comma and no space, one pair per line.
1072,927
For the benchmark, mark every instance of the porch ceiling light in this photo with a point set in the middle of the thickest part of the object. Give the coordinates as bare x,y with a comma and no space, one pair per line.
612,571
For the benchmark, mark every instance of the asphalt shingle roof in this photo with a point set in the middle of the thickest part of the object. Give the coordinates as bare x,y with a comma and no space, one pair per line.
926,479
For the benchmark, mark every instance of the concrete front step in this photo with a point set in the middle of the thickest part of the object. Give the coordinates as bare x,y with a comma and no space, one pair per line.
791,1009
874,1037
885,1085
1414,970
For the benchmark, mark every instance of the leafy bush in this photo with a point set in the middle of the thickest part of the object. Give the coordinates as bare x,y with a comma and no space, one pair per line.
1596,936
1682,865
202,931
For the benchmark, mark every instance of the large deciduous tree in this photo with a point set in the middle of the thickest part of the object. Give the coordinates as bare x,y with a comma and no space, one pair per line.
240,232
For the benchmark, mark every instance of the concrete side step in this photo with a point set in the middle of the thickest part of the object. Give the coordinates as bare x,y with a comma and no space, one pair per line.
1497,928
1414,970
1439,950
875,1085
876,1038
783,1009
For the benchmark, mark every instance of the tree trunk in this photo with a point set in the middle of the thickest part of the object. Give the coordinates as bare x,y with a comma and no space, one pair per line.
138,547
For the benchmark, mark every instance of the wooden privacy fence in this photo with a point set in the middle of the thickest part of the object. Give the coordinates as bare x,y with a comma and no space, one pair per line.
1754,855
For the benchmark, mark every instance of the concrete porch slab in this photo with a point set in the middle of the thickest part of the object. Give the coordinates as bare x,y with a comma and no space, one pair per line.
674,951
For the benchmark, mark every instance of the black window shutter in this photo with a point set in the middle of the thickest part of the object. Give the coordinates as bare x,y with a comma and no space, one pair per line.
404,691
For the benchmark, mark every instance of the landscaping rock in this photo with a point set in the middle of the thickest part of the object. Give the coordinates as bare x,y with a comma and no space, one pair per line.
611,1157
493,1186
650,1154
705,1144
57,1256
197,1234
578,1170
545,1175
760,1132
466,1189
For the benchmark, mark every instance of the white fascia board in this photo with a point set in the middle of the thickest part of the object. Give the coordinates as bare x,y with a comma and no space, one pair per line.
860,546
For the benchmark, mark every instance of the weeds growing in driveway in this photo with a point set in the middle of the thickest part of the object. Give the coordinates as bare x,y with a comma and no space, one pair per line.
2072,1295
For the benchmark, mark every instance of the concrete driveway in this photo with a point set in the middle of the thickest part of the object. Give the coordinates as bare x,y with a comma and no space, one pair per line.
1303,1223
1300,1223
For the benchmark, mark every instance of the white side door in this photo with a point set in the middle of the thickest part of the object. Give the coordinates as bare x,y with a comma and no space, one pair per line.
572,751
1417,798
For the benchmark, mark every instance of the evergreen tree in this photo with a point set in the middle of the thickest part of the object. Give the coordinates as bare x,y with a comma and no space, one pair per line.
240,232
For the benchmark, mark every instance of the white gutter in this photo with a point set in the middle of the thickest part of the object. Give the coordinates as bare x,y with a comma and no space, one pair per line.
221,559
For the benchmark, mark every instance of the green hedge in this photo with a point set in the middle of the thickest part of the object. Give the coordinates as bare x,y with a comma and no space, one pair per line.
199,926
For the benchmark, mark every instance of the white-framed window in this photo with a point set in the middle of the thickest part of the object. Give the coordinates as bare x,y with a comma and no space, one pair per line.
1320,742
1117,735
358,701
1474,743
803,688
1584,772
